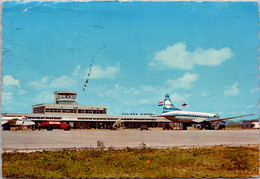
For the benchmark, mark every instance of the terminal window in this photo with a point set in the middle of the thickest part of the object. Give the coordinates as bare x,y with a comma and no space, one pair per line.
38,110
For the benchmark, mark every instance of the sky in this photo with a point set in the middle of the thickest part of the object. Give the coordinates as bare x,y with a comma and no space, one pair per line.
202,53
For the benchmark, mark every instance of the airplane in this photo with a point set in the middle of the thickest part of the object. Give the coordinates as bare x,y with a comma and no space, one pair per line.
8,122
187,118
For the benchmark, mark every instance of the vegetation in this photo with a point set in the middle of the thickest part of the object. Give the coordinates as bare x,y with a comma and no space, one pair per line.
234,127
131,163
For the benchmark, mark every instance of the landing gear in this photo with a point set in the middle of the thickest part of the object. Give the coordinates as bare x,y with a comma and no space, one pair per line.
33,128
206,126
221,126
6,128
210,126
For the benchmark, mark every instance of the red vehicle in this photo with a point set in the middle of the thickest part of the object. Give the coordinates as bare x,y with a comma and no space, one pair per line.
50,125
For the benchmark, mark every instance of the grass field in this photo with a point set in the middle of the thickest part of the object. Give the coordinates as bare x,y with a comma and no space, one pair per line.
130,163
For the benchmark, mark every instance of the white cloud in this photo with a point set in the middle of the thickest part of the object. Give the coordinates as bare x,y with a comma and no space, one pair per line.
251,106
39,84
204,93
127,96
62,82
178,57
47,83
175,97
151,89
253,90
76,71
98,72
232,90
144,101
109,72
8,80
21,91
7,97
185,82
44,97
11,88
139,95
136,101
119,91
65,81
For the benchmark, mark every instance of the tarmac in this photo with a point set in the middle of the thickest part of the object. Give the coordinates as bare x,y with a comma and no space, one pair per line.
27,140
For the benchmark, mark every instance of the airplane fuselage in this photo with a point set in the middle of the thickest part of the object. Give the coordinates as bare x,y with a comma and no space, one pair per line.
188,116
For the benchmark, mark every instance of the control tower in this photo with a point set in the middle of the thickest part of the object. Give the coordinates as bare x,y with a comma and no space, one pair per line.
65,97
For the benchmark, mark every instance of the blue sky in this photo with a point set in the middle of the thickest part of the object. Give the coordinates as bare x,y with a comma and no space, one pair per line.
204,54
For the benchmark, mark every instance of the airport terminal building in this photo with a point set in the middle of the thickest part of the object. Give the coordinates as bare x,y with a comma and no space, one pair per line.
66,108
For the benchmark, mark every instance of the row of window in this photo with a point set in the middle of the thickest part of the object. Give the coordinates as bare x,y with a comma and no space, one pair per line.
36,118
68,96
139,119
81,118
54,110
89,111
85,111
52,117
190,115
38,110
75,110
136,114
44,117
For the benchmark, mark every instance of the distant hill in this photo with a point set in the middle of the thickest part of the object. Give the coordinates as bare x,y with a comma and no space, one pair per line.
235,123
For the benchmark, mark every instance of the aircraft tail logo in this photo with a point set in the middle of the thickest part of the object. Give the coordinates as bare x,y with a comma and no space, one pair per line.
168,106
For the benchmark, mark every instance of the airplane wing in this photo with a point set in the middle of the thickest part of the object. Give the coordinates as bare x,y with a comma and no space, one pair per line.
218,120
200,120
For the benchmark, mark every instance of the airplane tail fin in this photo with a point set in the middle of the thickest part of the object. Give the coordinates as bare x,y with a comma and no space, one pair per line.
167,105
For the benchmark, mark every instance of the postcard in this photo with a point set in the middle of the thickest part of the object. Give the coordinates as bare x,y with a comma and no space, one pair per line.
108,89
